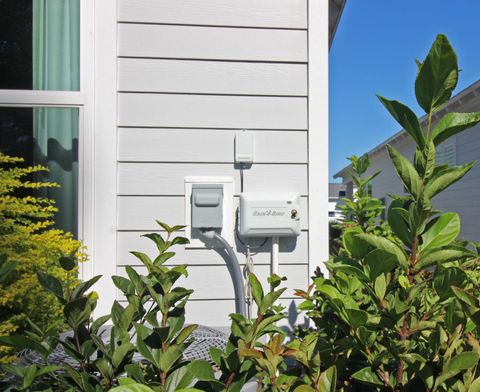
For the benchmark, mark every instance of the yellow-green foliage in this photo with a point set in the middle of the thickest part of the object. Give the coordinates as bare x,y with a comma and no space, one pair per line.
28,238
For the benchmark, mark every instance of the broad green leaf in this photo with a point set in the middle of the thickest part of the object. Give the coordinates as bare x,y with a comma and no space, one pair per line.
462,361
380,286
348,266
185,333
445,279
437,76
357,318
16,370
270,299
121,352
170,356
143,258
355,247
465,297
23,342
385,245
201,370
304,388
380,261
405,171
328,380
157,239
398,221
257,290
368,376
29,376
442,232
47,369
124,285
424,160
441,255
453,123
67,263
366,336
475,387
132,388
50,283
406,118
78,312
84,286
142,334
441,180
179,378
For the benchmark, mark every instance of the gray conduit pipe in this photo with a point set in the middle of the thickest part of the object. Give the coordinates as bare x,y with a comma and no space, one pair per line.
237,272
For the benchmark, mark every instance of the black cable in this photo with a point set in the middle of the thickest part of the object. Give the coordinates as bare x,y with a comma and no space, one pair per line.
241,177
249,246
240,239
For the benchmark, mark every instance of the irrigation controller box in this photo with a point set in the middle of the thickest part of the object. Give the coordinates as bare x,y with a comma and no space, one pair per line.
269,215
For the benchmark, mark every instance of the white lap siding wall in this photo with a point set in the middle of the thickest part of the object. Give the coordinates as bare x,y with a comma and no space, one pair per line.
191,73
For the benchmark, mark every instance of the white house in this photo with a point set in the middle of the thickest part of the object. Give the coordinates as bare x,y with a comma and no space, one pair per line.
130,102
336,192
461,197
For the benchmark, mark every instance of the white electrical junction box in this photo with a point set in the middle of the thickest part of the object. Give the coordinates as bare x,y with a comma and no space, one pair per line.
269,215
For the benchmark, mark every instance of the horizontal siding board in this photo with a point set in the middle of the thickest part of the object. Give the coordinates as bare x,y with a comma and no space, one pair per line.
139,212
252,13
214,43
182,145
215,281
157,179
211,77
293,250
211,111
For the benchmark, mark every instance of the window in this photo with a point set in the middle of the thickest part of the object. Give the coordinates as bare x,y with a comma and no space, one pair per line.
342,193
40,45
42,90
47,136
331,213
446,154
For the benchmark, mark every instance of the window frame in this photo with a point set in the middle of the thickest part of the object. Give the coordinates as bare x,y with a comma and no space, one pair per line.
82,101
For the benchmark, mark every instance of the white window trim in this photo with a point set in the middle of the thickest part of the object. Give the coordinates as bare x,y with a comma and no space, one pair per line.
103,251
318,251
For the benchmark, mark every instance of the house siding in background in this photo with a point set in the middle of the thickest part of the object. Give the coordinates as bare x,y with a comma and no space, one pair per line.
461,197
190,74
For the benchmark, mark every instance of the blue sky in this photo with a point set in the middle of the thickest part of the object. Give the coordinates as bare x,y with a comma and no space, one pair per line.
374,51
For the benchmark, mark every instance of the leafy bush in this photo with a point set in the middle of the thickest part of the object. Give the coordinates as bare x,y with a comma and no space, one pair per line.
28,242
403,313
151,325
363,210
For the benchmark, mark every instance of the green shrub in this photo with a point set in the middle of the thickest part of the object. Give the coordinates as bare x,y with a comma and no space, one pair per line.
403,313
28,240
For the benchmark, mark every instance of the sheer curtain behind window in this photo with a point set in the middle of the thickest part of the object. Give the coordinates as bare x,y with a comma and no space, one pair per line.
56,66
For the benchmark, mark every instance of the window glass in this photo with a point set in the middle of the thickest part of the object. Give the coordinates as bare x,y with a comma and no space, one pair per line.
40,44
47,136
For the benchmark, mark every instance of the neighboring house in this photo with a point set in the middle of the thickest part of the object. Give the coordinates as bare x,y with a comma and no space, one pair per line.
335,194
461,197
125,100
